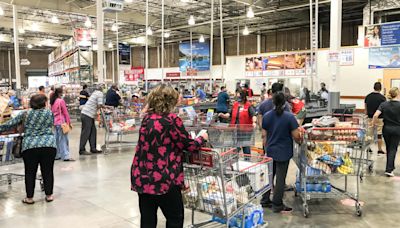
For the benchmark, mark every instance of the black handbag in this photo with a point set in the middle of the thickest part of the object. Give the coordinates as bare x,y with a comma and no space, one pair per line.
17,144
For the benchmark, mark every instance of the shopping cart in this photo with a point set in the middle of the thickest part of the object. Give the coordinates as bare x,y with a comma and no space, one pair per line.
225,184
330,154
223,135
119,122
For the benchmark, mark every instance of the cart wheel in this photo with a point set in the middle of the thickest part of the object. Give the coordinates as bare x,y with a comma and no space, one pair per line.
371,168
358,209
361,177
104,149
306,213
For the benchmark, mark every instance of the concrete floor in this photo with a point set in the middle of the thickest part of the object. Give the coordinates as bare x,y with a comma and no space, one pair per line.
95,191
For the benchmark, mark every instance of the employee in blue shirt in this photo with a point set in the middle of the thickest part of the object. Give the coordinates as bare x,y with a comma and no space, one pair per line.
222,103
112,97
200,93
279,128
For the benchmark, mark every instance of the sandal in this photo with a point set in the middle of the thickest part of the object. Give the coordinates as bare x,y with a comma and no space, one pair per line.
26,201
49,199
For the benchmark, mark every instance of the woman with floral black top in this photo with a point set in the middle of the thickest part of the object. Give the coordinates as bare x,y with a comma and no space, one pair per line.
157,173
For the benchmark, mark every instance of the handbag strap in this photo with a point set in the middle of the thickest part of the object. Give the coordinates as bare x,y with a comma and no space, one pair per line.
62,116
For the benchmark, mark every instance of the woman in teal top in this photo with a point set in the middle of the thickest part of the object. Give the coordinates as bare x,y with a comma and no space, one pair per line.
38,145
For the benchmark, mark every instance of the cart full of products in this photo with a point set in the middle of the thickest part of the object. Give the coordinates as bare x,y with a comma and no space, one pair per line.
332,153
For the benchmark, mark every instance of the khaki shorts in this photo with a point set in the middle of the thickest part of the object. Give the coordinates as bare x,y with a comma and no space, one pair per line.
379,127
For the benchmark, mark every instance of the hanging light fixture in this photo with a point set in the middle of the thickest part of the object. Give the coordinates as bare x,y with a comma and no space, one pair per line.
250,12
110,45
201,39
1,11
55,20
21,31
246,31
88,23
35,26
30,46
149,32
167,34
114,27
191,20
128,1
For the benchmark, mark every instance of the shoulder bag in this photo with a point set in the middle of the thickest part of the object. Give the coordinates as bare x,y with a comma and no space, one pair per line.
17,145
64,126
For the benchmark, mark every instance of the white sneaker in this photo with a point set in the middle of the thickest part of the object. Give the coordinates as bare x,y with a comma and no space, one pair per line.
391,174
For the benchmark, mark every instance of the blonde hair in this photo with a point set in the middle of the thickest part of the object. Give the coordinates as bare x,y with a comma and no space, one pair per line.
162,99
393,93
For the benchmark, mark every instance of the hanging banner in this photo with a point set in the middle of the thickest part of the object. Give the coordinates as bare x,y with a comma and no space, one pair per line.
196,57
134,74
386,34
83,37
384,57
124,54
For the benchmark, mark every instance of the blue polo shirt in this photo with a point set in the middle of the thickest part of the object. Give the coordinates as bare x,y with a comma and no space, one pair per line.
222,102
201,94
268,105
279,134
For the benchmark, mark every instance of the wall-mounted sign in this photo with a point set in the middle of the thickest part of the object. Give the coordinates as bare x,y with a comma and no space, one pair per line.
384,57
196,56
378,35
134,74
346,57
173,75
333,56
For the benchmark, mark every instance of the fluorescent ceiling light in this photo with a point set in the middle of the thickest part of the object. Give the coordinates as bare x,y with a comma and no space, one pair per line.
201,39
114,27
191,20
21,30
1,11
30,46
110,45
250,12
149,32
246,31
186,1
88,23
128,1
55,20
167,34
35,26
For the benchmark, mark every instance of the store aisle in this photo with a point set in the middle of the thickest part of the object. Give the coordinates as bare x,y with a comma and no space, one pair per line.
95,192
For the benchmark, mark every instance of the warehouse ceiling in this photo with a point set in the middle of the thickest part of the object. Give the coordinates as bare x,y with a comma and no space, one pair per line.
35,18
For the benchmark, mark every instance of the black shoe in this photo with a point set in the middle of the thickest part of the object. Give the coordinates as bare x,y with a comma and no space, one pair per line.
289,188
266,204
96,151
381,152
84,153
283,209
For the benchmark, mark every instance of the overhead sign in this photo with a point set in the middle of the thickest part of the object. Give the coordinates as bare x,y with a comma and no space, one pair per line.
83,37
380,35
134,74
124,54
173,74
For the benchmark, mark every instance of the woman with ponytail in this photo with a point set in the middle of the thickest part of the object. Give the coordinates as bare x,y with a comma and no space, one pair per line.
389,111
280,127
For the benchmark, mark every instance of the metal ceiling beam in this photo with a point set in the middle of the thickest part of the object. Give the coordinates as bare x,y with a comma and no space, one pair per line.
43,27
62,6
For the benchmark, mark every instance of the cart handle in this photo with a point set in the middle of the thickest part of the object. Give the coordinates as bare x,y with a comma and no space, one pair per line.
205,149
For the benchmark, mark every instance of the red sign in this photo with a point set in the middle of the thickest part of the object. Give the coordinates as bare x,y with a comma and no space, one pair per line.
134,74
191,72
173,75
83,36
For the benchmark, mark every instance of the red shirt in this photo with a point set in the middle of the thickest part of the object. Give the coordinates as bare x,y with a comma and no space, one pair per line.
297,105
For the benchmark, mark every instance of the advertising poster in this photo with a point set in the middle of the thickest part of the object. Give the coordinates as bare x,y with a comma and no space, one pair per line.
300,61
384,57
250,66
310,66
382,35
290,64
346,57
258,66
124,54
199,54
276,63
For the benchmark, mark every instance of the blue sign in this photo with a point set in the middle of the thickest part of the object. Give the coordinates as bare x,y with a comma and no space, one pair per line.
390,34
384,57
124,54
198,58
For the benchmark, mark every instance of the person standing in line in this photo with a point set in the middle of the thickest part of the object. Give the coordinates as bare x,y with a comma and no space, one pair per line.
372,103
222,103
157,171
42,90
248,90
38,145
112,96
51,91
279,128
263,92
391,129
242,113
200,93
323,92
88,116
83,95
61,116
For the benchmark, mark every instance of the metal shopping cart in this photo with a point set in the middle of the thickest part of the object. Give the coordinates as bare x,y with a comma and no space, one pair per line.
225,184
231,135
330,154
119,122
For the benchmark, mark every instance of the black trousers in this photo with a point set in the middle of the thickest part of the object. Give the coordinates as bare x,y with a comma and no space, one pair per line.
171,206
392,142
88,132
279,173
32,158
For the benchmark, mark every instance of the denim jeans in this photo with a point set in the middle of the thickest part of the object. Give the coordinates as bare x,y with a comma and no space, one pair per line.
62,144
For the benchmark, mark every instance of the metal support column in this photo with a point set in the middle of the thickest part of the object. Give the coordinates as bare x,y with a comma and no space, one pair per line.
211,45
335,40
222,39
162,40
147,49
16,47
9,69
191,55
258,44
117,53
100,37
238,41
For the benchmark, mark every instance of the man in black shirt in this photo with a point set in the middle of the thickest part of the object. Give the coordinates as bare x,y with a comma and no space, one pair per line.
83,95
372,103
112,97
